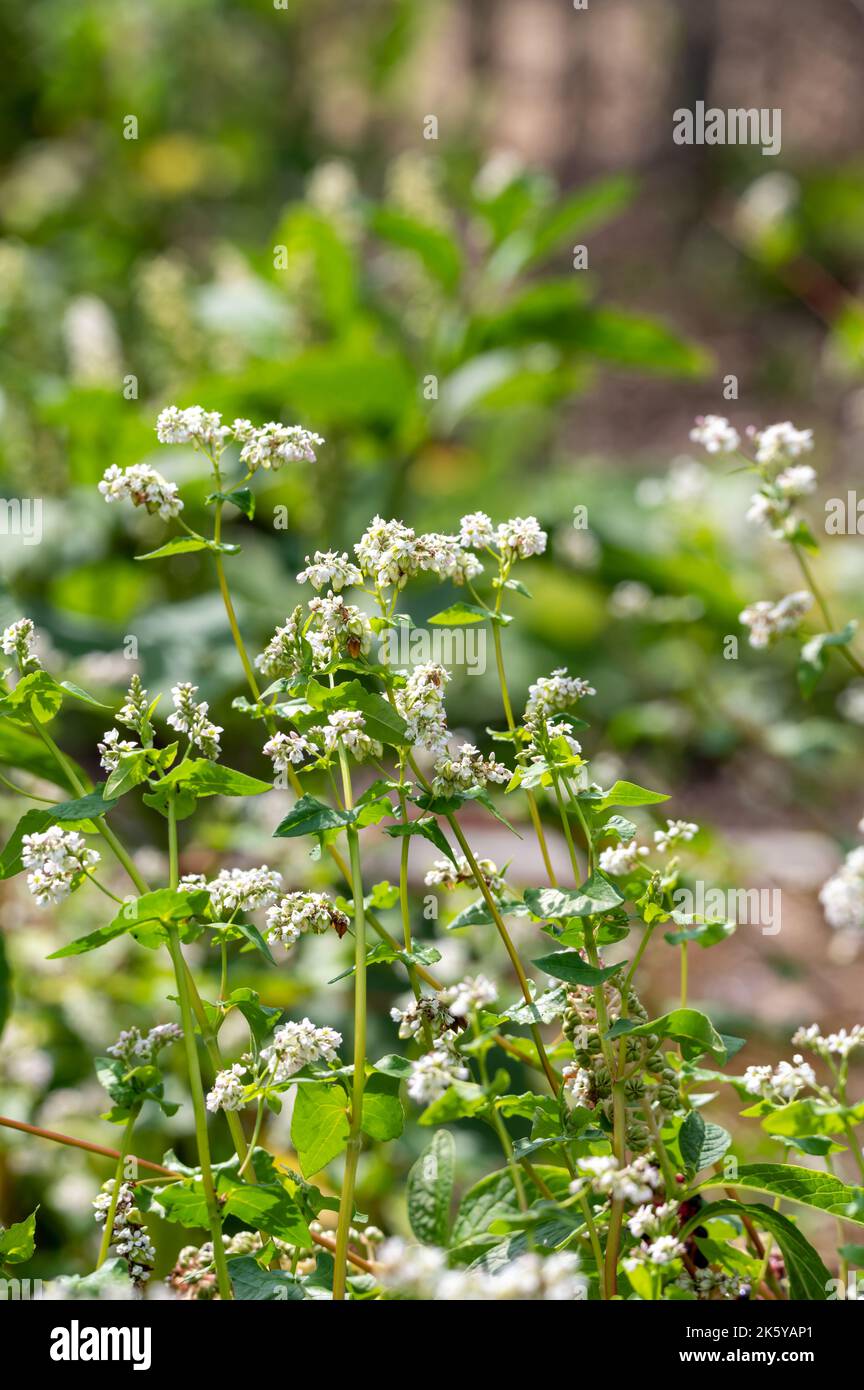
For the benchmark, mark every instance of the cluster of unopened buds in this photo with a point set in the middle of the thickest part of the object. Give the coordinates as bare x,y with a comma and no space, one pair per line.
129,1237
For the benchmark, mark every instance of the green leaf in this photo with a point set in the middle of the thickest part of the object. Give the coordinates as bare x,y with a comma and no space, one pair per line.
809,1280
243,498
810,1188
705,934
629,794
212,779
494,1198
184,545
853,1253
597,894
430,830
813,661
804,1118
18,1242
702,1144
266,1207
383,1116
459,615
311,817
430,1190
252,1284
569,966
436,249
692,1029
381,720
164,905
319,1125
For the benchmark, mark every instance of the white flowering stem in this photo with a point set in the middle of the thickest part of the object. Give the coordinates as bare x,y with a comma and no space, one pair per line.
508,715
346,1200
194,1068
551,1075
115,1193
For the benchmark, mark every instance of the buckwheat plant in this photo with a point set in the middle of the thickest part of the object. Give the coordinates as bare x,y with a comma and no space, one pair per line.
606,1157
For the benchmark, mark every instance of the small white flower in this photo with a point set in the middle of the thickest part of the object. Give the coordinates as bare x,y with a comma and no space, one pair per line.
273,445
144,487
346,727
476,531
113,747
303,912
288,750
296,1045
467,769
58,860
18,640
551,694
520,538
715,434
191,717
767,621
330,569
228,1088
799,480
781,443
474,992
676,833
664,1250
240,890
194,425
622,859
433,1074
421,704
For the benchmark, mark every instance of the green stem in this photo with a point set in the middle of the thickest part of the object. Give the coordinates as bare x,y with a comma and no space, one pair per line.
804,565
196,1088
107,1234
346,1200
684,975
551,1076
511,725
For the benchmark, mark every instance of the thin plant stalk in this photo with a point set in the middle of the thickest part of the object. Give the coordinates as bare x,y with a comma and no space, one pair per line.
125,1146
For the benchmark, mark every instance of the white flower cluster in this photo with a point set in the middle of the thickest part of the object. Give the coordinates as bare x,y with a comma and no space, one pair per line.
129,1236
677,832
767,621
473,992
273,444
467,769
648,1220
301,912
434,1073
133,712
715,434
429,1012
622,859
267,446
143,486
390,553
192,718
283,654
578,1087
135,1048
112,748
421,704
552,694
347,727
781,443
661,1251
192,425
783,1082
840,1044
420,1271
297,1045
229,1088
58,860
842,896
635,1182
288,750
337,629
330,570
445,874
237,890
19,640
